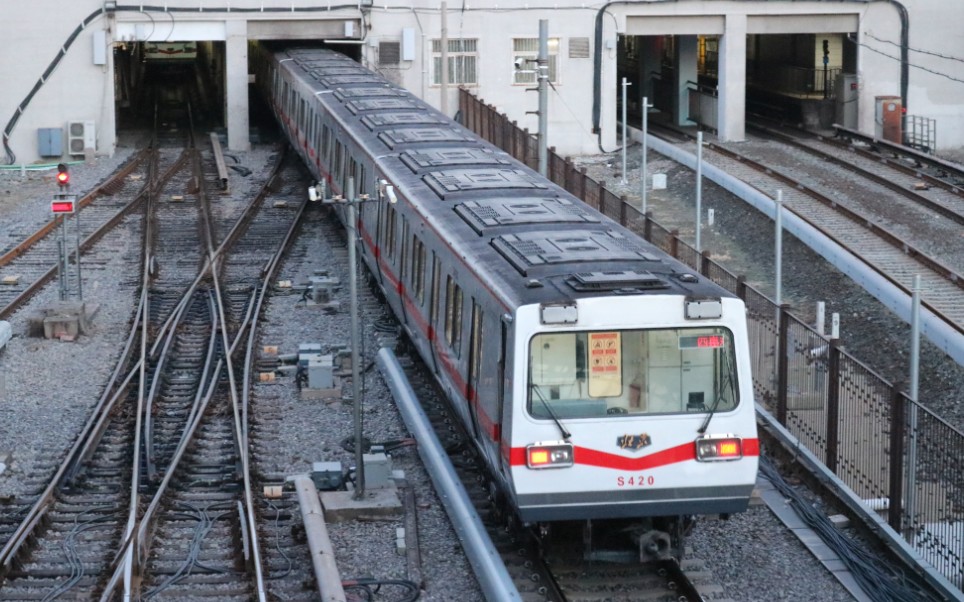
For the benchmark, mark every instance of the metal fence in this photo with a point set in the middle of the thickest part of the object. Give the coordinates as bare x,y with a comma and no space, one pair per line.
902,459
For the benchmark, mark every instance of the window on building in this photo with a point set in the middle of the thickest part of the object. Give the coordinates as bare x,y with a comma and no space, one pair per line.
527,49
463,62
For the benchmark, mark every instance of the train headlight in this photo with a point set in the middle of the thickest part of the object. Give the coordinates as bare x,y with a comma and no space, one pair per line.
719,448
556,454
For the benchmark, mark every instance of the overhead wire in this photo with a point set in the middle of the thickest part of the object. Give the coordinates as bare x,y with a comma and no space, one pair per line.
917,50
909,64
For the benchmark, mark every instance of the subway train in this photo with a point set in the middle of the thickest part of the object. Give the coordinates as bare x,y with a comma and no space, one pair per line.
602,381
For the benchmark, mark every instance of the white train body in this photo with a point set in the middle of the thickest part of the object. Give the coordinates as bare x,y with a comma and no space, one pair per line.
643,462
599,377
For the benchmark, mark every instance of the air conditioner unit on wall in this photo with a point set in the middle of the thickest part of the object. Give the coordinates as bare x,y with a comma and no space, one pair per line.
80,136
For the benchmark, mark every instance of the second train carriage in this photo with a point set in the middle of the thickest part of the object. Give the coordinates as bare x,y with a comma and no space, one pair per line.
599,377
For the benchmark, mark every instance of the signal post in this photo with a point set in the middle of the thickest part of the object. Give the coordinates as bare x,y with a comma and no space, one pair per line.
68,318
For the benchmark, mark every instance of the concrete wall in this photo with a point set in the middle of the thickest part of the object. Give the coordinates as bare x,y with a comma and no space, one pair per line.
570,103
32,34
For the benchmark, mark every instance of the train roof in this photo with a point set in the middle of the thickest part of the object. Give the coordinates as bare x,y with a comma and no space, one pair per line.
521,234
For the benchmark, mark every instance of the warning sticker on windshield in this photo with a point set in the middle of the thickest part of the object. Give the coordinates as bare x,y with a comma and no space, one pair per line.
605,364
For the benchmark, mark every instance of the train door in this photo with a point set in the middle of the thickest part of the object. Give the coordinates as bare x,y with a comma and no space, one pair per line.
403,271
433,312
504,420
477,409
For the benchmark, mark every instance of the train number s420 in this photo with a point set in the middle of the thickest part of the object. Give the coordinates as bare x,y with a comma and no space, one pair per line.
639,480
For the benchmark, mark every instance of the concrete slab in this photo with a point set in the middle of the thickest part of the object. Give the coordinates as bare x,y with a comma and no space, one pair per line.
325,394
341,506
62,319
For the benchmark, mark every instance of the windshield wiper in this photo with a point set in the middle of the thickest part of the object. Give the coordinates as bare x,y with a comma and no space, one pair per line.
565,434
706,423
719,393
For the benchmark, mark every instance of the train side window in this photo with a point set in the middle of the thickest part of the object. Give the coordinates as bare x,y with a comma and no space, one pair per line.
316,132
326,145
436,283
336,172
360,178
382,220
350,173
418,269
403,267
390,232
475,346
453,315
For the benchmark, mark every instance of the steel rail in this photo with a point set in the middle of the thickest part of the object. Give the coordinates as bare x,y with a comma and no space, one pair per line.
134,547
900,150
907,193
86,200
942,271
87,243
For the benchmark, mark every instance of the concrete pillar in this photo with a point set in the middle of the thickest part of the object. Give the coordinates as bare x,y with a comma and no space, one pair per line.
236,84
687,54
107,128
609,88
731,105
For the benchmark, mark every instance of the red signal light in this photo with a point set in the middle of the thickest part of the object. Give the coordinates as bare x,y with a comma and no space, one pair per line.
63,176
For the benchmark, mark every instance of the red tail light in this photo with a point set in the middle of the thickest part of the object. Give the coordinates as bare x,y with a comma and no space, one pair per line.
549,455
719,448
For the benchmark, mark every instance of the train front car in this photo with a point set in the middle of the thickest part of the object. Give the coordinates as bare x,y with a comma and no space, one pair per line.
637,409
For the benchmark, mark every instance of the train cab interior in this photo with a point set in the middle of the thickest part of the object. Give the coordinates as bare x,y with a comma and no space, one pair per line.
613,373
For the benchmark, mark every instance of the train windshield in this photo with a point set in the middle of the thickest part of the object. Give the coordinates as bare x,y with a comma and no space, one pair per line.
612,373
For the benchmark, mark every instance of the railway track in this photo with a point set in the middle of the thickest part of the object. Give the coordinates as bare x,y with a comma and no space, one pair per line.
26,267
73,537
553,566
885,230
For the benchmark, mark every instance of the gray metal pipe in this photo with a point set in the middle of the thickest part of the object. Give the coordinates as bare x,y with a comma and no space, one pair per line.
322,553
489,570
543,87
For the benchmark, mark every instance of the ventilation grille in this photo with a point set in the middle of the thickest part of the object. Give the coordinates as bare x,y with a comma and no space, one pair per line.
613,281
579,48
383,104
454,181
532,250
496,213
441,157
389,53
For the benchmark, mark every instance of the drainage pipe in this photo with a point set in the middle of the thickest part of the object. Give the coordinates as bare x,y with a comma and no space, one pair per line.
490,571
322,553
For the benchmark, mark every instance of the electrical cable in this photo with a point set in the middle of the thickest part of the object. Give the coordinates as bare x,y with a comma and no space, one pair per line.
205,523
369,588
918,50
69,546
277,530
926,69
879,579
11,124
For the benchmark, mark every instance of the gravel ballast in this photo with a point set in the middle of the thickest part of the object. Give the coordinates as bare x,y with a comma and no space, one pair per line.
50,386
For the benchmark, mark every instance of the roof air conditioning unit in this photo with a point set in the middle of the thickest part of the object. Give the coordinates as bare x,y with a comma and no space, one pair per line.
80,136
